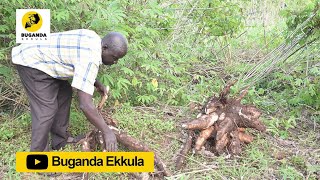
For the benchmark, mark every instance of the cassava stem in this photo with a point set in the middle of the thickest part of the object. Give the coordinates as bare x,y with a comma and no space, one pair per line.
135,145
184,151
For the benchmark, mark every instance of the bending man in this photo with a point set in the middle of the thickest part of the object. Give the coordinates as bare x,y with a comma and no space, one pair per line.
44,71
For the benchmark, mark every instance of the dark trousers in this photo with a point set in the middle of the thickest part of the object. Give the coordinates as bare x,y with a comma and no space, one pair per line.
50,101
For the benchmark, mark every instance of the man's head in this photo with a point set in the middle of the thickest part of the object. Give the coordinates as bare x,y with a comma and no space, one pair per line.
114,46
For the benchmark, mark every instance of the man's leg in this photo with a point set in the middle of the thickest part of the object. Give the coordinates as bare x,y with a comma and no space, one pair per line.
59,129
42,91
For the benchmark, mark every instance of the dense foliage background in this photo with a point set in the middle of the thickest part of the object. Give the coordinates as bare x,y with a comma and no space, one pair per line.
181,52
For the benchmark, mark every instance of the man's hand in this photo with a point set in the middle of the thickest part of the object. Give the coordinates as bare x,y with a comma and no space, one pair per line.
110,141
92,114
101,88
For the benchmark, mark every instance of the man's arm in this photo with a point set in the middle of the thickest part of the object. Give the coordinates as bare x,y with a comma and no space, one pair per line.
97,83
100,87
91,112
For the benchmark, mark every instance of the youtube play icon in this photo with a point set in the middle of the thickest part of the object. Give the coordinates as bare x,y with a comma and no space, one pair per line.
37,161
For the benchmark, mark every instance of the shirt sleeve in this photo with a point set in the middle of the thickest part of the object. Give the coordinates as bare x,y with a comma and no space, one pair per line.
85,74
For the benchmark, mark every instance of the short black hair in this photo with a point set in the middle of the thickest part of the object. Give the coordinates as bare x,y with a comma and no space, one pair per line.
115,41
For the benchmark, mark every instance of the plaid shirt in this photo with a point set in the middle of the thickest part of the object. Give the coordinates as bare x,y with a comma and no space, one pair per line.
72,54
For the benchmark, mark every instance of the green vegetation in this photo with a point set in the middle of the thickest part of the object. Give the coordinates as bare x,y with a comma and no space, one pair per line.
182,52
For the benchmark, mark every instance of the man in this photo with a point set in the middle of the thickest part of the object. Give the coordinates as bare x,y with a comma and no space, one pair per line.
44,70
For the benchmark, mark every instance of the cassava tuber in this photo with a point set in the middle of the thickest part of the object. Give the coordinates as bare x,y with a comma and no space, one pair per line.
202,122
204,135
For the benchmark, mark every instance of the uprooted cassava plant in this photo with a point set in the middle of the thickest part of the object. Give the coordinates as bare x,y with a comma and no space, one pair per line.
222,124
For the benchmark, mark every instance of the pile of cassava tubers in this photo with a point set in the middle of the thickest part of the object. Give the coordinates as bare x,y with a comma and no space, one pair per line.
222,124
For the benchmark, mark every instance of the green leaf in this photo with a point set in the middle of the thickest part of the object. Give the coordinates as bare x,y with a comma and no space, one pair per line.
62,14
127,71
123,83
107,79
5,71
134,81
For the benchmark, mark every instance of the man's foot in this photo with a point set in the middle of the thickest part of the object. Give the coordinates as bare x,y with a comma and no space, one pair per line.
70,140
75,139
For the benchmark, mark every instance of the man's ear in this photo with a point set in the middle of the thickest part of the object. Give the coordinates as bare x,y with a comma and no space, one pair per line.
105,47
